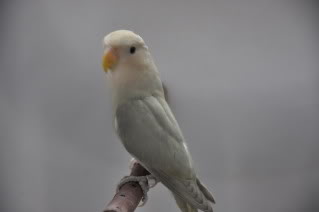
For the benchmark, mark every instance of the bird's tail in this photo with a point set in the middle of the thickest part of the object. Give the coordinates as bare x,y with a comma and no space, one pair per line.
206,194
183,205
205,191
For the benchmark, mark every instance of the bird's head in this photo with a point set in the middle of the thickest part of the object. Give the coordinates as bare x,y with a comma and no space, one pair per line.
130,67
123,47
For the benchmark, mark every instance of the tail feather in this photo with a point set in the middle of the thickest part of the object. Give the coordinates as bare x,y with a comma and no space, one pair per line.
201,194
183,205
205,191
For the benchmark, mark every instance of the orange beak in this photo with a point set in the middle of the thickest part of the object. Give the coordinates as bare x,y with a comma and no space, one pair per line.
110,59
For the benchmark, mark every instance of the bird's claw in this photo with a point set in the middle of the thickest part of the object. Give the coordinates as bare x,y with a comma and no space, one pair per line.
146,182
151,181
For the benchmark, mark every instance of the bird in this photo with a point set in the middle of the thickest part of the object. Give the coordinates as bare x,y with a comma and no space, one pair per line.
144,122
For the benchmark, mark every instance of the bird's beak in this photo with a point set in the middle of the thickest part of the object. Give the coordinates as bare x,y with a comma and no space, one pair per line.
110,59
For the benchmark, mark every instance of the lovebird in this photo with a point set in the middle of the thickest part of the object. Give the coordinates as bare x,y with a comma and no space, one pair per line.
145,123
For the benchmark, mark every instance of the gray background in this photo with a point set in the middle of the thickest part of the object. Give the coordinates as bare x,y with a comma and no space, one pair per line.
243,82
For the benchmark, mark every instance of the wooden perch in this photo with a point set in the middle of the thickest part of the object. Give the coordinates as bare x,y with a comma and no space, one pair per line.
129,195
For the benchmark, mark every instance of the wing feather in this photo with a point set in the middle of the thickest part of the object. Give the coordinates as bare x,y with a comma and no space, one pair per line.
150,133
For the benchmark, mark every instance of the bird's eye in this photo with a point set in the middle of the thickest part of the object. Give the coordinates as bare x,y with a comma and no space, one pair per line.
132,50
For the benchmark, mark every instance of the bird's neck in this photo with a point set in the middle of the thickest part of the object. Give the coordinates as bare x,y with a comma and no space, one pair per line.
135,82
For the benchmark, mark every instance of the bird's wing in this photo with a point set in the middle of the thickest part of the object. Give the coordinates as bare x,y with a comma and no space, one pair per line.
150,133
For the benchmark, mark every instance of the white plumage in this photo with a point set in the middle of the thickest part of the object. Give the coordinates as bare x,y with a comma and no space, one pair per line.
145,122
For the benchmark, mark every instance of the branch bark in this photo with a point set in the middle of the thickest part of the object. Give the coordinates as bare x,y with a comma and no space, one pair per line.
129,195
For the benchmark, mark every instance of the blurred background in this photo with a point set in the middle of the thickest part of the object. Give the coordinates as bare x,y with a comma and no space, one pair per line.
242,77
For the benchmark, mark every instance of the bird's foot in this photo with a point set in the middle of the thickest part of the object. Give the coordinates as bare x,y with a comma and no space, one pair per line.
151,180
146,182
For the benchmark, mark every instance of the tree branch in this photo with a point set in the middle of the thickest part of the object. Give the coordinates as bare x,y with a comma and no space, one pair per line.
129,195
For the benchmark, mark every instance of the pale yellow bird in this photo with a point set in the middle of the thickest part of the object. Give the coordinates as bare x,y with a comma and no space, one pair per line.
145,123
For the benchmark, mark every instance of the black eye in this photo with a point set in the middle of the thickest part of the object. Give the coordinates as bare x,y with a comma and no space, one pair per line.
132,50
